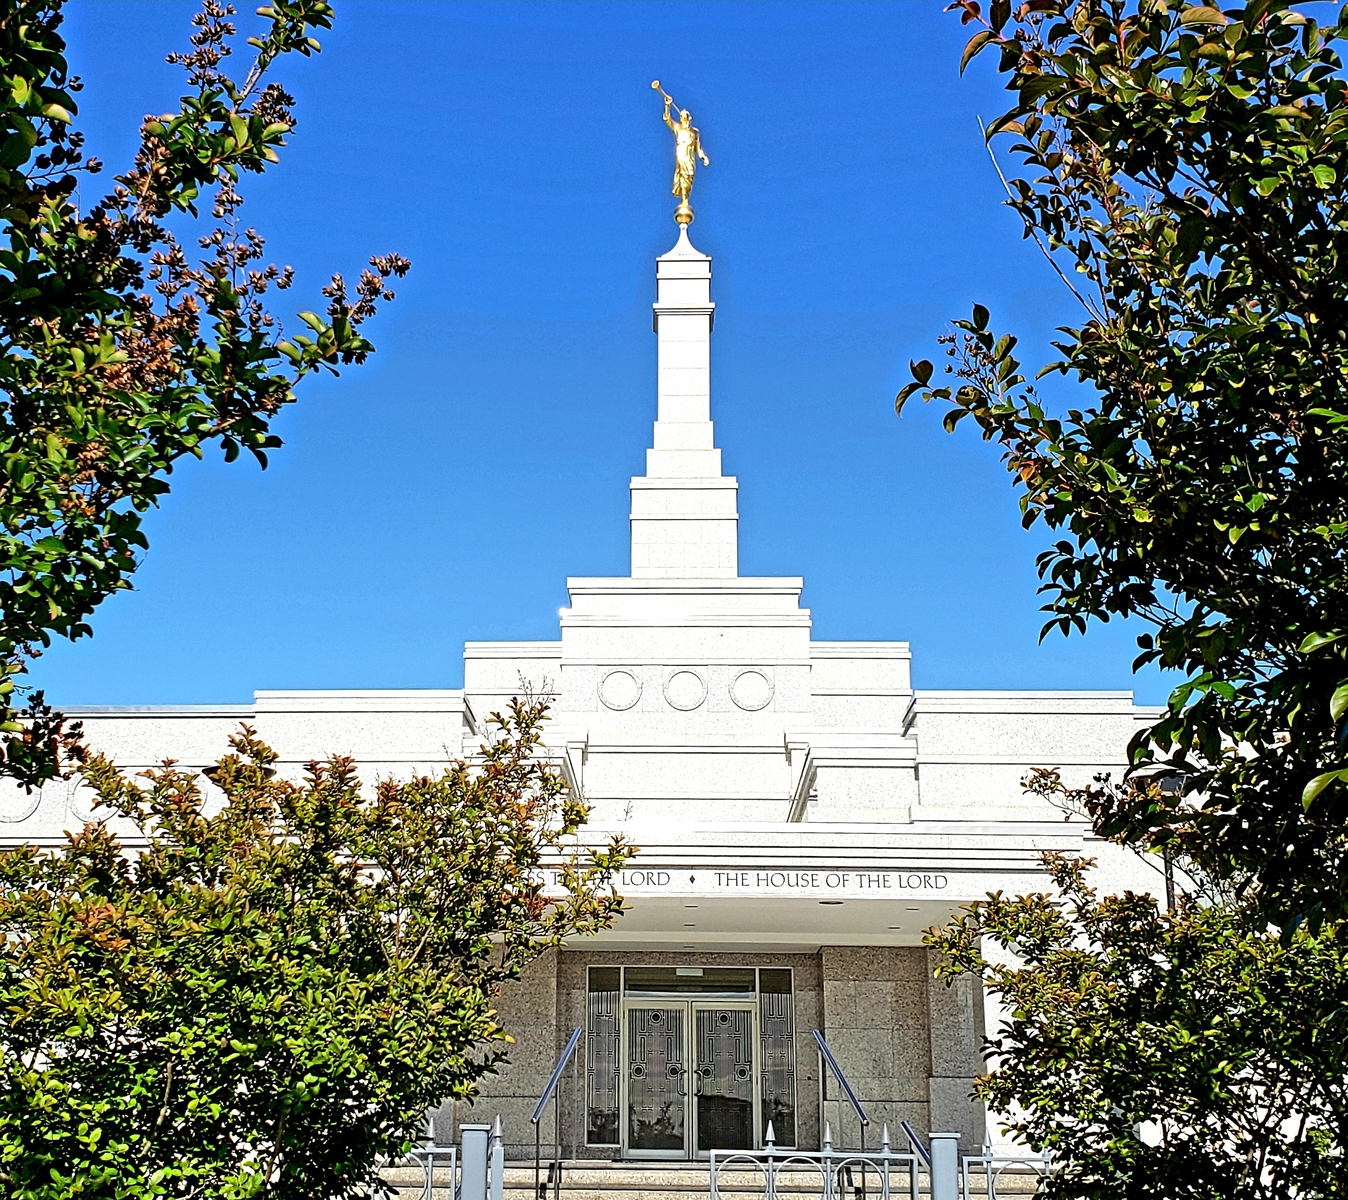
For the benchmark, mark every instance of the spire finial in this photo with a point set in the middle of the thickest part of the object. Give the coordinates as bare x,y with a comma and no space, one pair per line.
687,150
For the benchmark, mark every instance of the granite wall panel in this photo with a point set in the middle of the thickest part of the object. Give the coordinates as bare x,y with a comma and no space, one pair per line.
956,1055
876,1022
527,1010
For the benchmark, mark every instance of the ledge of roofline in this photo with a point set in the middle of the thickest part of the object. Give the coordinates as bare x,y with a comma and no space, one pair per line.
695,483
663,833
158,710
925,701
860,649
387,701
513,649
356,693
1019,694
796,618
736,583
1027,703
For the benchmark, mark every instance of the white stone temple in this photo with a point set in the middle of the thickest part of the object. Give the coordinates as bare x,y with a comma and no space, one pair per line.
803,813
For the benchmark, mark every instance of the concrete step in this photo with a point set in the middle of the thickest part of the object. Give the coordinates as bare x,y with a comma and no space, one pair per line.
590,1180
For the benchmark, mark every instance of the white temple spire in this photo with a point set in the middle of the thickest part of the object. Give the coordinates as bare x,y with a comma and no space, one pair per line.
684,511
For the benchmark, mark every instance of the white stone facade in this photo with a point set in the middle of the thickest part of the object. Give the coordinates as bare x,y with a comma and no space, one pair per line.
797,802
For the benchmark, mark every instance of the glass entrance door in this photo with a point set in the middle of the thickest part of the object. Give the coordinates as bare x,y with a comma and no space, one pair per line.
723,1089
687,1095
656,1081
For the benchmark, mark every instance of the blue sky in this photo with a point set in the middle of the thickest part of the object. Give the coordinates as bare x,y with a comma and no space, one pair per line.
515,153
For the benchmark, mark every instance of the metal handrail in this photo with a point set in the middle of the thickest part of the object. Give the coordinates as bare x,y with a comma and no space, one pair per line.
550,1093
556,1075
915,1141
827,1055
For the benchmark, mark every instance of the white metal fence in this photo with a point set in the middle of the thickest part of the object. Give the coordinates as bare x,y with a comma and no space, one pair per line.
441,1159
884,1174
827,1174
1002,1175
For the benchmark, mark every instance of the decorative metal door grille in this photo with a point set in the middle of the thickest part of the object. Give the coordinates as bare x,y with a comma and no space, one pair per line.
777,1064
725,1084
601,1067
656,1087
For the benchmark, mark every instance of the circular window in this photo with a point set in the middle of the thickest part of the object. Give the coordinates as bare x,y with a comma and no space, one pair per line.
619,690
751,690
83,804
685,690
18,805
655,1018
638,1071
741,1072
723,1018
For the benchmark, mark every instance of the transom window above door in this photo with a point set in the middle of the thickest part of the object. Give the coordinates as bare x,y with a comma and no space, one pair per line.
730,982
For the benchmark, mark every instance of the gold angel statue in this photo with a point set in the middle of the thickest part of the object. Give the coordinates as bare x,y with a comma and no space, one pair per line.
687,150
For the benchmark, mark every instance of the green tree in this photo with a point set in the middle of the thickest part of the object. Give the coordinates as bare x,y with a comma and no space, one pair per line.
1178,1055
1187,173
262,995
1185,169
119,353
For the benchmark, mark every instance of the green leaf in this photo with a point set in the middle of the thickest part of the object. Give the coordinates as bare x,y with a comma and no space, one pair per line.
904,394
1201,14
1318,785
1332,415
1039,86
981,316
1315,641
974,45
1338,702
